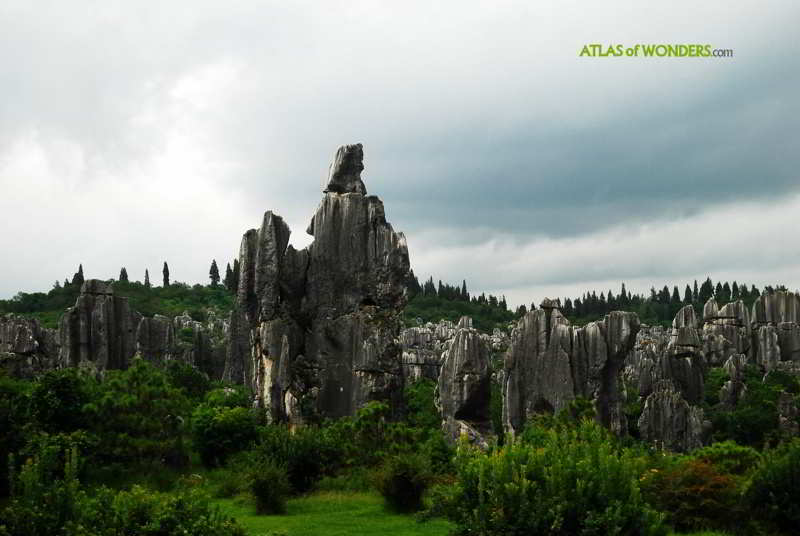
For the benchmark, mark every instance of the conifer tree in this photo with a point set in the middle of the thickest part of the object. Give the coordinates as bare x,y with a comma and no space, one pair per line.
213,273
146,278
123,275
228,281
165,271
236,274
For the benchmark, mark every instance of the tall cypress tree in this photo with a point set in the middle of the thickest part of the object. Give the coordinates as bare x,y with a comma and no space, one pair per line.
213,273
165,271
228,281
146,278
236,274
123,275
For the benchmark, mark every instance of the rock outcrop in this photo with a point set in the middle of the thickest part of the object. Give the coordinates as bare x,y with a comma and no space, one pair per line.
26,348
99,331
670,422
550,363
318,328
776,329
464,386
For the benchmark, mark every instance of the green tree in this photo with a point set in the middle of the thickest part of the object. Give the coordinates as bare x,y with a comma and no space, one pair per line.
213,273
146,279
165,271
123,275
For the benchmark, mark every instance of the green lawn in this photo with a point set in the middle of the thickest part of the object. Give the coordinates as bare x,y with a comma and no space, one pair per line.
333,514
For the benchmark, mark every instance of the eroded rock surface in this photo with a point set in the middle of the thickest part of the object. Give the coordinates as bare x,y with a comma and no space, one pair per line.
670,422
464,387
99,331
550,363
26,348
318,328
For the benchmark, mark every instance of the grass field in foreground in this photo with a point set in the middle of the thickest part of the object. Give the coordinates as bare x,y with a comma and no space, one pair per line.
333,514
336,513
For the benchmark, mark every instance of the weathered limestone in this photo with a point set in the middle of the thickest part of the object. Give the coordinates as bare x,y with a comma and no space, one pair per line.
726,331
26,348
318,328
670,422
155,339
99,332
776,328
344,174
550,363
465,385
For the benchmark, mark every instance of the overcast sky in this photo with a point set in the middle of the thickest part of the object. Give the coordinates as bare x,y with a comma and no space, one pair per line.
141,132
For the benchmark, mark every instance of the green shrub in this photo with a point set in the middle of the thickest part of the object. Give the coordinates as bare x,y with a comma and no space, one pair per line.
234,396
574,480
440,454
218,432
138,416
307,453
183,376
270,486
727,457
402,480
773,495
58,401
48,500
694,495
421,408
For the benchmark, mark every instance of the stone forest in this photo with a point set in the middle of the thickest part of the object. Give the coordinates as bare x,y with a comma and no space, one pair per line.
315,381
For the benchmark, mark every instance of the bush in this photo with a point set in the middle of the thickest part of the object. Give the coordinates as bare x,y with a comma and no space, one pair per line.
234,396
773,494
573,480
138,416
218,432
306,453
694,494
270,486
727,457
402,480
58,400
49,501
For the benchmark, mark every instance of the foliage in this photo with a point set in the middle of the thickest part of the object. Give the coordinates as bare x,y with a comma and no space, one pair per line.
754,420
307,453
233,396
402,479
49,500
170,301
773,494
729,457
139,415
421,409
14,403
269,484
572,481
431,308
184,376
218,432
58,399
694,494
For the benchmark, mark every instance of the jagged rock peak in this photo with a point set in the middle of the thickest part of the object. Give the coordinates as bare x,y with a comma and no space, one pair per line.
344,174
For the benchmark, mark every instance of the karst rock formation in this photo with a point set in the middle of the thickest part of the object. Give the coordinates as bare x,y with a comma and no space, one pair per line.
550,363
317,330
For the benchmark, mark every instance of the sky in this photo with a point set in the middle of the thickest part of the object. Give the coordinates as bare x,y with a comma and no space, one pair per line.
133,133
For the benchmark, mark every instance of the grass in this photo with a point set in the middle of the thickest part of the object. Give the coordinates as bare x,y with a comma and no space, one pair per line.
333,514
